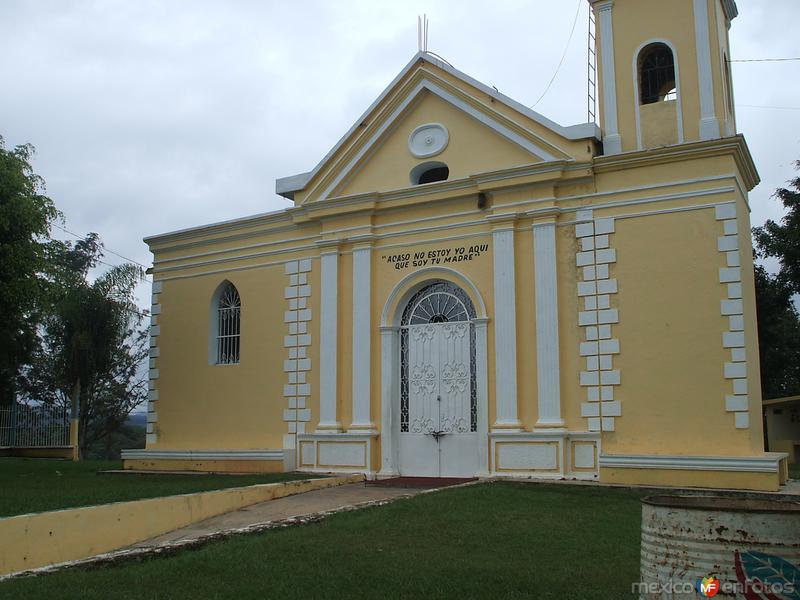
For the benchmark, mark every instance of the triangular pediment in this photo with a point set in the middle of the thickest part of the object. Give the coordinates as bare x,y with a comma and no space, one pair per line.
485,131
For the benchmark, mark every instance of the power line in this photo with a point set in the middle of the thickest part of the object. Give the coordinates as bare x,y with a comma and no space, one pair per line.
749,60
563,56
771,107
107,249
83,237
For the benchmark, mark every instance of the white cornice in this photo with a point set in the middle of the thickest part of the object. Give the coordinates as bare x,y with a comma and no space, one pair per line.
735,145
467,185
275,216
731,11
767,463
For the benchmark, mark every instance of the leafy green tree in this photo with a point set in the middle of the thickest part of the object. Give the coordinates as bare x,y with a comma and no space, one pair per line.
93,342
25,218
778,319
778,336
782,240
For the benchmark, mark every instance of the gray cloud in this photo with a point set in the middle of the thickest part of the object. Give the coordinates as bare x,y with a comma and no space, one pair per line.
153,116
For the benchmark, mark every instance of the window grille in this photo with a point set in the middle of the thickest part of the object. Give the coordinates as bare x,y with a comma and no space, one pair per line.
656,74
229,311
440,302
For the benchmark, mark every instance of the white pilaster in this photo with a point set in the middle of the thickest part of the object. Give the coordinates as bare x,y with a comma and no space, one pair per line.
612,142
548,374
390,365
505,330
362,326
709,124
482,380
329,259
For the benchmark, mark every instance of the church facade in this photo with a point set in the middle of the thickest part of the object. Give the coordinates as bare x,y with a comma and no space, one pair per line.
463,287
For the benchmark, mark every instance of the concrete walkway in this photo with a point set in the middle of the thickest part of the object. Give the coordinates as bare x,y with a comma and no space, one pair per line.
258,516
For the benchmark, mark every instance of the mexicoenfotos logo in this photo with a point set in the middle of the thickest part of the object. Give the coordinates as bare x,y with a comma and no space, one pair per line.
708,586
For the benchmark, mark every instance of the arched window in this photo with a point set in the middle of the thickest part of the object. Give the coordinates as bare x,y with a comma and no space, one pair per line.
429,172
228,311
656,74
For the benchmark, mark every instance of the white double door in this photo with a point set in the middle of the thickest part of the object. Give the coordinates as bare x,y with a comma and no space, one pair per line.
437,437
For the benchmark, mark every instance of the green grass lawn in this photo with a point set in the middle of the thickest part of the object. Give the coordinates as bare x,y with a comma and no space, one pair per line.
495,540
34,485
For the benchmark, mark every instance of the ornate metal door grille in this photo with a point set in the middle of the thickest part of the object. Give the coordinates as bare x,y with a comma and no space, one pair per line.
439,302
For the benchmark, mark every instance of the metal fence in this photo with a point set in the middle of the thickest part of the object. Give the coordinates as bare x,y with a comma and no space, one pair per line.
43,426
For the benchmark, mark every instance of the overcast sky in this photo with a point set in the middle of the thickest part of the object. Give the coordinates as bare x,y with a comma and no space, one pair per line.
150,116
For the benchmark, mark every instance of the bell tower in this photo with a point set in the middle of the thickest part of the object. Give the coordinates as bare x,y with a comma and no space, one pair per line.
663,72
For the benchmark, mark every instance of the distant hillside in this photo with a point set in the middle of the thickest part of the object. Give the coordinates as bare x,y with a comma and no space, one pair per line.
137,420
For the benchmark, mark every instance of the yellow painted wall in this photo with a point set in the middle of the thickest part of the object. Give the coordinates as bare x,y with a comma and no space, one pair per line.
670,334
204,466
719,49
670,330
756,430
527,392
671,359
636,22
390,165
767,482
201,405
569,334
658,122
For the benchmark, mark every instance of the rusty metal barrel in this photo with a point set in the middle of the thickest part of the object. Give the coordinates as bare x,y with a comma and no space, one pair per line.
748,545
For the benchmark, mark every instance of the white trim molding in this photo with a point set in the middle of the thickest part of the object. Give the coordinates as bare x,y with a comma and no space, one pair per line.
731,11
151,435
548,368
737,399
769,462
505,326
482,382
709,123
612,141
596,317
553,454
265,454
362,329
336,452
390,382
329,276
298,364
392,313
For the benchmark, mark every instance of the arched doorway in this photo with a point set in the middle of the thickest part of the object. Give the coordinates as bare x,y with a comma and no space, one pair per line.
438,424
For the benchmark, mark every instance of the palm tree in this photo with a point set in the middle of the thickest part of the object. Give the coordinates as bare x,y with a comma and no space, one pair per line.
90,353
